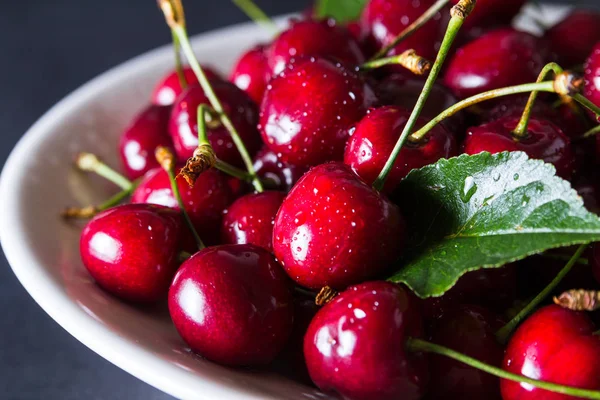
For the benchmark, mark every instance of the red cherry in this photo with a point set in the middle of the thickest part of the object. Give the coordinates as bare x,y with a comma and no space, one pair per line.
592,78
500,12
308,109
554,345
503,57
137,144
132,250
334,230
544,141
183,125
204,202
383,20
169,87
573,38
251,73
283,175
316,39
375,135
232,304
355,344
250,219
470,331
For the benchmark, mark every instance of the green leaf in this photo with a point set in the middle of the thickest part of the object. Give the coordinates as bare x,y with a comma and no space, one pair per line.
483,211
340,10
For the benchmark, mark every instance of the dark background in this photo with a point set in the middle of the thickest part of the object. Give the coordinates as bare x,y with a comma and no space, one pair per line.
47,49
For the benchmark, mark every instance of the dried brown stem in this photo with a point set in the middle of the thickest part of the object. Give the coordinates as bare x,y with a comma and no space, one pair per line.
325,295
579,300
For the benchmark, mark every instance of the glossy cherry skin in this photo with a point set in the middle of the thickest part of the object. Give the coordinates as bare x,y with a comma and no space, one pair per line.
592,78
169,87
383,20
544,141
374,138
503,57
334,230
233,305
137,144
313,38
309,108
355,344
469,330
250,219
205,202
554,345
183,125
132,250
492,12
251,73
573,38
281,174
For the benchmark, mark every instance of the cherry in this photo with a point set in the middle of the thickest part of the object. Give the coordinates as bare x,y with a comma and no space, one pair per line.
283,175
375,136
469,330
250,219
494,12
589,190
383,20
572,39
309,108
592,78
555,345
251,73
132,250
205,202
503,57
169,87
313,38
334,230
544,141
355,344
232,304
137,144
183,125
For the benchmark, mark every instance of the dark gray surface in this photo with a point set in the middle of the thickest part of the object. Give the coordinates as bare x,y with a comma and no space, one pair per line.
49,48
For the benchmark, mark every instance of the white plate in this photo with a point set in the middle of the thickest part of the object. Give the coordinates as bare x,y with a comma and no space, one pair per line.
38,181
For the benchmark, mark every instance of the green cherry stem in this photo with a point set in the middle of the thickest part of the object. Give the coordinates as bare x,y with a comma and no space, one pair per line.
412,28
591,132
91,211
458,15
504,333
520,131
257,15
419,345
409,59
560,257
178,65
587,104
91,163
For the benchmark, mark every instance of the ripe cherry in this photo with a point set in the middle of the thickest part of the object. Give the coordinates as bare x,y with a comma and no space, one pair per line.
502,57
281,174
592,79
544,141
251,73
183,125
572,39
313,38
250,219
204,202
375,135
334,230
232,304
137,144
309,108
355,344
132,250
169,87
555,345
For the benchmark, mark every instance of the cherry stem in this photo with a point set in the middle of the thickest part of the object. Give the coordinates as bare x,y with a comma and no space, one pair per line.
257,15
419,345
91,163
458,14
91,211
178,65
561,257
409,59
591,132
412,28
520,132
173,11
504,333
165,158
183,256
587,104
468,102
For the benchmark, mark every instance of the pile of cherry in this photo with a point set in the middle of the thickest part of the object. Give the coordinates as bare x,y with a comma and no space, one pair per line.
319,131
